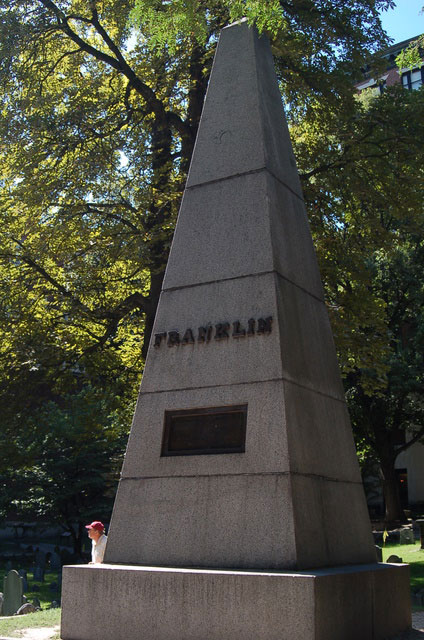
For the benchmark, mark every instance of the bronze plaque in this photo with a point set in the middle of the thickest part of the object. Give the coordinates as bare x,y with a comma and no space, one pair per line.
215,430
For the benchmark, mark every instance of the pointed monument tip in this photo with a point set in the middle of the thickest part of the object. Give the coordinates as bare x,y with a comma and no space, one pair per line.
237,23
243,126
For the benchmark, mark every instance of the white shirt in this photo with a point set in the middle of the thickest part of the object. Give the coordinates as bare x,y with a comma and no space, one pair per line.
98,549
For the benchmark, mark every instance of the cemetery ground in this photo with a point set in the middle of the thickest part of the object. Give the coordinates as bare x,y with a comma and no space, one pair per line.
16,626
414,556
45,591
21,554
47,619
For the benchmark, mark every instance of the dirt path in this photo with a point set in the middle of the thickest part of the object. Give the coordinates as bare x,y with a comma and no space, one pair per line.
37,633
45,633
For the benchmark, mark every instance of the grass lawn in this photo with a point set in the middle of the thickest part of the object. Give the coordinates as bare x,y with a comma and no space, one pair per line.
48,618
414,556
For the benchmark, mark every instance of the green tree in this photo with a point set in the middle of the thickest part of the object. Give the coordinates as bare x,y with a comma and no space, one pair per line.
99,112
70,461
367,215
63,433
382,420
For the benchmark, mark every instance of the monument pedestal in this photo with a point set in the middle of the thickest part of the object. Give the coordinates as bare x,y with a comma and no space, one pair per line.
117,602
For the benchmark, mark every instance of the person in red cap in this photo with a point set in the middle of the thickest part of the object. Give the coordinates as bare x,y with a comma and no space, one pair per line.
96,532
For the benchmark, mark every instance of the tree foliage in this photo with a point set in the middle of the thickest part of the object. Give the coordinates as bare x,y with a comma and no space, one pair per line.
365,197
97,127
411,56
366,209
389,422
99,110
70,462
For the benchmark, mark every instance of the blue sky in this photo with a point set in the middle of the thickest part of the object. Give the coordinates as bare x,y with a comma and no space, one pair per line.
405,20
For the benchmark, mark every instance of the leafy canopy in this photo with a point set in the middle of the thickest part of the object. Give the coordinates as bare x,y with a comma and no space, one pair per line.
99,109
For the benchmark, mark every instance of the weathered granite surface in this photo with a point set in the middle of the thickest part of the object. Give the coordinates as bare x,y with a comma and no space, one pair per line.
242,250
348,603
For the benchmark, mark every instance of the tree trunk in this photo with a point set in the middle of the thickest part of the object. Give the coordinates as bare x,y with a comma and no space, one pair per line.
76,536
162,166
154,293
158,215
394,510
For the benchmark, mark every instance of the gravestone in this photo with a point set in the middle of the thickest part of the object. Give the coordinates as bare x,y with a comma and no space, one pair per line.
38,573
406,536
1,604
420,524
24,577
395,559
28,607
12,593
40,558
240,513
55,562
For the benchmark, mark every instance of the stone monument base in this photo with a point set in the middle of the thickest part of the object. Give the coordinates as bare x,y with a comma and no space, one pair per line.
127,602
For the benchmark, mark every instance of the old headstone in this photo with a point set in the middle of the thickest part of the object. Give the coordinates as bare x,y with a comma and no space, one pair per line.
395,559
420,523
12,593
55,561
379,553
406,536
24,577
38,573
28,607
40,558
240,512
1,604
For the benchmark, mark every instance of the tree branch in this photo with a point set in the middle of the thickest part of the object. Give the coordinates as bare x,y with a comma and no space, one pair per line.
39,269
133,301
404,447
118,62
50,71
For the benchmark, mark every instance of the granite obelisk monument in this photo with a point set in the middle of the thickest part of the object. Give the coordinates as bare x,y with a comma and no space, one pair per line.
240,513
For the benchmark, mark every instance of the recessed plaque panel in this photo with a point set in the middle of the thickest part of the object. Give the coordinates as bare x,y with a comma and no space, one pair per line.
215,430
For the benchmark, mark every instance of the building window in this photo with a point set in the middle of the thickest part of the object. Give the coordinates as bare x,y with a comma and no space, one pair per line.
413,79
406,80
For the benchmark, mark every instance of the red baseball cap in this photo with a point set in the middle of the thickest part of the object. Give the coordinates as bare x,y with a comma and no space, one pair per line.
99,526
